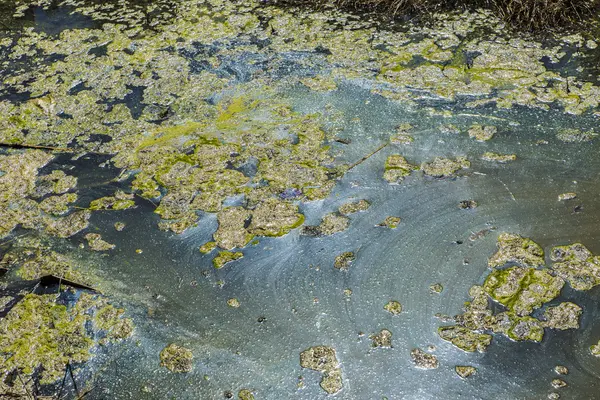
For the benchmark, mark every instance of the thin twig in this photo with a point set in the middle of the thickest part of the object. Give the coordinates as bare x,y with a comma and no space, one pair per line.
365,158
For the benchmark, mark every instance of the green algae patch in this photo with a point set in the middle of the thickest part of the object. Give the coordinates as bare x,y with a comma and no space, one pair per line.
465,371
331,223
354,207
393,307
577,265
37,261
383,339
225,257
96,242
232,230
482,133
571,135
343,261
275,218
522,289
120,201
563,316
499,158
176,358
444,167
519,328
245,394
513,248
320,84
465,339
207,247
58,205
40,335
436,288
324,360
396,168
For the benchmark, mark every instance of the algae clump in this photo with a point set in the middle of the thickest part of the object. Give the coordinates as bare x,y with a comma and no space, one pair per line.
176,358
225,257
444,167
324,360
517,249
482,133
393,307
396,168
577,265
464,338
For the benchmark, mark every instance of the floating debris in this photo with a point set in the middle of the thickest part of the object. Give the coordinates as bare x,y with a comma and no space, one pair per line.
344,260
465,371
393,307
119,226
354,207
516,249
381,339
567,196
233,302
561,370
595,349
500,158
482,133
324,360
96,242
436,288
444,167
176,358
467,204
558,383
423,360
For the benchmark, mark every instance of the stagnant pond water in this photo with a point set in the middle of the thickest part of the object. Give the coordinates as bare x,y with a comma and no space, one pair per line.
94,86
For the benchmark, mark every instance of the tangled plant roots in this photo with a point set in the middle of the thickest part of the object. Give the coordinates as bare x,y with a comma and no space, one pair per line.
525,14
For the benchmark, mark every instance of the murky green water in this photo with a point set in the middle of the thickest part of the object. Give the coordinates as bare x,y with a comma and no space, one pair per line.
291,297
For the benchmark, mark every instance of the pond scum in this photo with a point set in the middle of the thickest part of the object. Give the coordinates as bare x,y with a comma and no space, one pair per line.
199,135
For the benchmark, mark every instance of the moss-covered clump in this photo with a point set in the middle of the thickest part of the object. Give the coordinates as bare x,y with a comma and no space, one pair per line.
444,167
397,168
516,249
519,328
324,360
465,339
225,257
245,394
595,349
577,265
567,196
176,358
40,335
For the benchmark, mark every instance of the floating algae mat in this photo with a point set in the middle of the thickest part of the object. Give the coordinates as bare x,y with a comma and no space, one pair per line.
205,200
